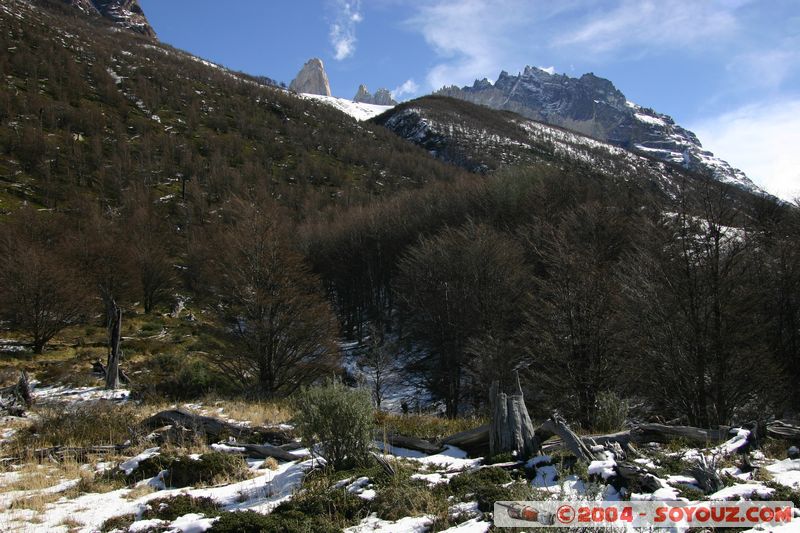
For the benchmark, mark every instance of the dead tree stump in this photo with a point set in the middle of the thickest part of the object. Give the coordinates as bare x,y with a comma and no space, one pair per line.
112,369
511,428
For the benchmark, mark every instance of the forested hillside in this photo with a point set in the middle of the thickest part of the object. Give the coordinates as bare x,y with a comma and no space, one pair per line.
263,230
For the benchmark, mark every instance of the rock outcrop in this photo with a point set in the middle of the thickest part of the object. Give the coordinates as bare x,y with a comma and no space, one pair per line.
381,96
312,79
593,106
125,13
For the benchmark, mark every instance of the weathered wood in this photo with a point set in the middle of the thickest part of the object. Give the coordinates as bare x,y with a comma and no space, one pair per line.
384,464
511,428
664,434
473,441
264,451
638,476
213,428
412,443
112,368
781,430
20,395
573,443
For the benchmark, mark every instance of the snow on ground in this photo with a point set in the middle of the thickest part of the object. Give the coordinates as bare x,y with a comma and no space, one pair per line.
408,524
356,110
62,394
451,459
786,472
744,491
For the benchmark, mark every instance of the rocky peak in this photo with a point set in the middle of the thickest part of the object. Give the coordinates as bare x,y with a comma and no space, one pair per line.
593,106
312,79
125,13
381,97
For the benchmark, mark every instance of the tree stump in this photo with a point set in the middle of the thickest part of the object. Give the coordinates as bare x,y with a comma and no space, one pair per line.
511,428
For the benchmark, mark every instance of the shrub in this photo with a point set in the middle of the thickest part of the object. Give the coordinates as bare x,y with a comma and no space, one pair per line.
337,418
277,522
119,523
173,508
184,471
179,377
317,499
611,412
409,498
469,482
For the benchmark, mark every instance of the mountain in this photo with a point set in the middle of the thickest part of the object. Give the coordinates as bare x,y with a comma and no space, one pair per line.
312,79
381,97
485,141
125,13
595,107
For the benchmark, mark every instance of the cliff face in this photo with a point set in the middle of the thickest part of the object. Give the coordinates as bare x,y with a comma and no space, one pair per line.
312,79
381,96
594,106
125,13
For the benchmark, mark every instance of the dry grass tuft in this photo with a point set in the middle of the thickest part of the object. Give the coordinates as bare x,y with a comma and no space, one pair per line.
425,426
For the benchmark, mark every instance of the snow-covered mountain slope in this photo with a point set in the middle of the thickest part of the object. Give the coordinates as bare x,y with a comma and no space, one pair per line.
484,140
358,111
593,106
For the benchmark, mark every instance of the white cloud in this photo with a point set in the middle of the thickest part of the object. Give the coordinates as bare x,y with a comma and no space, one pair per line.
478,38
343,28
651,23
472,38
408,87
762,140
549,70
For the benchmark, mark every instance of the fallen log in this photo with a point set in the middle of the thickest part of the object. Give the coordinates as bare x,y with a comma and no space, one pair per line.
473,441
636,476
782,430
662,433
215,429
411,443
58,453
263,451
575,444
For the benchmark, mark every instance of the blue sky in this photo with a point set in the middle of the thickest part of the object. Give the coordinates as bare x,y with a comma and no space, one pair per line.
728,69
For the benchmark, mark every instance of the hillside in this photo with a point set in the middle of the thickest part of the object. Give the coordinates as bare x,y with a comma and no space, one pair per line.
228,307
92,109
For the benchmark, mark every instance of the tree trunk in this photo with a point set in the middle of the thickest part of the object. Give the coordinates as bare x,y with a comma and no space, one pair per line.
112,369
511,429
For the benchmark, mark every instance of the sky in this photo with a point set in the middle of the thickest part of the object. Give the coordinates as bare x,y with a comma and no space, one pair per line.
729,70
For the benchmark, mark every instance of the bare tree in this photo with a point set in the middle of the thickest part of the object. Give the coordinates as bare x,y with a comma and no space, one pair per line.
279,329
695,302
39,293
462,283
379,364
574,338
